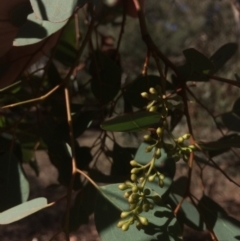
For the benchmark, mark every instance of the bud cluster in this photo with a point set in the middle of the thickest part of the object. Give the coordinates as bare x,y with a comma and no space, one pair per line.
160,102
140,200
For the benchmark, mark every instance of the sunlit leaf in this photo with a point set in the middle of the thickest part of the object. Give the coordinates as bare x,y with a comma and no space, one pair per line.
23,210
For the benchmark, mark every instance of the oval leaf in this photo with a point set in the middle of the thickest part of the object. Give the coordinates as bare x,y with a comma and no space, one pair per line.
136,121
23,210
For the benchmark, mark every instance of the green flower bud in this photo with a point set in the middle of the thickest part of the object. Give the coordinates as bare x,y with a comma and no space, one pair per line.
153,109
135,196
149,148
157,154
127,194
124,214
159,131
180,140
134,163
134,189
161,177
135,170
125,227
145,207
141,179
147,138
145,95
152,178
192,147
134,177
120,223
143,220
132,206
153,91
139,225
186,136
123,186
160,183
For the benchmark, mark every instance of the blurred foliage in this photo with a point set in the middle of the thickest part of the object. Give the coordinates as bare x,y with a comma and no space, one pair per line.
100,74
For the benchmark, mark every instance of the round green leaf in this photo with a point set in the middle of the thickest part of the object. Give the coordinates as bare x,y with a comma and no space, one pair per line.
23,210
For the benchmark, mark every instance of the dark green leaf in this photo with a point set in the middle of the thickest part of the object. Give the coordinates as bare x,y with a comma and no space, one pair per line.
136,121
66,51
162,223
22,210
222,55
224,226
83,207
106,79
121,160
222,145
188,214
133,91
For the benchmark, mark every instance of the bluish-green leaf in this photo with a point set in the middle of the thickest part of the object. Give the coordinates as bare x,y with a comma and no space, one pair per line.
35,30
53,11
23,210
224,226
136,121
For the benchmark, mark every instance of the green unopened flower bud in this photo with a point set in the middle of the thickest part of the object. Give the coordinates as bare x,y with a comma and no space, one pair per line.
134,163
153,91
145,95
157,154
120,223
151,178
135,170
134,189
131,200
159,131
134,177
127,194
139,225
124,214
161,183
149,148
141,179
192,147
125,226
143,220
153,109
186,136
161,177
145,207
180,140
123,186
147,138
135,196
132,206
